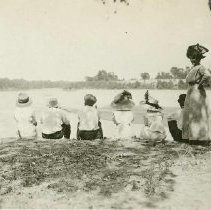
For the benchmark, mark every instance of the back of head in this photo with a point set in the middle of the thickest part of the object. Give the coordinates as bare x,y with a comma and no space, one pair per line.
89,100
181,100
52,102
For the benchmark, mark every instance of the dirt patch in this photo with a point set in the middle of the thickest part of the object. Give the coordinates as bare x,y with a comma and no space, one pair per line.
91,174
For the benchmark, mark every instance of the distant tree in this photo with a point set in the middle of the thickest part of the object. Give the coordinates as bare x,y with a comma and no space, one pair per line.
182,84
165,84
112,76
89,79
164,75
145,76
103,75
179,73
209,4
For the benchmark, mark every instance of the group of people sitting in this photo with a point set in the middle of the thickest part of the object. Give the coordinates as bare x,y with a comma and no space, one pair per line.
55,124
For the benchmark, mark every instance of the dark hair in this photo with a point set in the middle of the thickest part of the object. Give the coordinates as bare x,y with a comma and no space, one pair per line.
89,103
181,100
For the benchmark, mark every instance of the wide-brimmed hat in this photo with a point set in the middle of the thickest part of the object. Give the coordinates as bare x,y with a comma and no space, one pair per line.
52,102
123,101
152,109
90,99
196,51
23,100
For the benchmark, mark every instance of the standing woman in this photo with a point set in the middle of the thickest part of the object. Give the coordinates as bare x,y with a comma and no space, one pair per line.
196,116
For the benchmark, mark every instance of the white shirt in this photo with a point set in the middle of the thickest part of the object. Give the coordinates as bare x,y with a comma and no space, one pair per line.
88,118
25,118
155,122
52,119
154,128
123,117
178,116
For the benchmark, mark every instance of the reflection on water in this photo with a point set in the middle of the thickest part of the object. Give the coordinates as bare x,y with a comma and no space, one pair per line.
74,99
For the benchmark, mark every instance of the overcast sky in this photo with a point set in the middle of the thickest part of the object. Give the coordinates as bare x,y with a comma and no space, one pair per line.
70,39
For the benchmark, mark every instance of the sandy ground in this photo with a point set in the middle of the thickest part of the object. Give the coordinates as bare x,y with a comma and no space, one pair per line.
104,174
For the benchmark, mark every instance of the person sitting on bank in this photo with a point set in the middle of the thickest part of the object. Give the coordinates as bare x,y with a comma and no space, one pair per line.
153,129
89,125
54,122
175,121
25,117
123,115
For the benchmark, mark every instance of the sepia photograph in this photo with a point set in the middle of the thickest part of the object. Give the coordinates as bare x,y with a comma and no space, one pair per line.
105,104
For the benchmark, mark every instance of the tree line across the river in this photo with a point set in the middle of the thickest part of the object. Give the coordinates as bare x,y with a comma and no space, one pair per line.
174,79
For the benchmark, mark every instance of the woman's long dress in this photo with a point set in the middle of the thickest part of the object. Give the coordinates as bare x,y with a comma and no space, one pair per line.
196,112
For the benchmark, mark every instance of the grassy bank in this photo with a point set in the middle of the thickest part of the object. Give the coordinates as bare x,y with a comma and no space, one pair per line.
100,174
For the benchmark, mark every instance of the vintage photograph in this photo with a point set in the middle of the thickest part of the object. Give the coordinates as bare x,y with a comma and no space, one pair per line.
105,104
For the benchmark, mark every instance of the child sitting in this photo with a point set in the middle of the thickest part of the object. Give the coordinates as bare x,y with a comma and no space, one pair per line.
175,121
89,125
25,117
123,116
54,121
153,129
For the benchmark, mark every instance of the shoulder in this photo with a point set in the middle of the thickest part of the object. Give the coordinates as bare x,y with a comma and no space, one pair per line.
61,112
199,68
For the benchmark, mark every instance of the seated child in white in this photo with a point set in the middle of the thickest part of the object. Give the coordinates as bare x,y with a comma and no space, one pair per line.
153,126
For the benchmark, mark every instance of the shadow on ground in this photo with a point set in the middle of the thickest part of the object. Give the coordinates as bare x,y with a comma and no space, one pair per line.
106,168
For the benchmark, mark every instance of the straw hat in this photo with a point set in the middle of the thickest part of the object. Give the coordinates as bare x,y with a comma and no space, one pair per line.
23,100
90,99
52,102
123,101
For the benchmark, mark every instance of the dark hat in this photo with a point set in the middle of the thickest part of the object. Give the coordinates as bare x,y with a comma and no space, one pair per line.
196,51
123,101
23,100
90,99
52,102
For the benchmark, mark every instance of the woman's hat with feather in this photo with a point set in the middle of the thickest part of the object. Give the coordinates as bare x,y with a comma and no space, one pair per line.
152,102
196,51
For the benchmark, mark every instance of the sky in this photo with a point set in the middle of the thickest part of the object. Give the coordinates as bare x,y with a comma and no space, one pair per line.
71,39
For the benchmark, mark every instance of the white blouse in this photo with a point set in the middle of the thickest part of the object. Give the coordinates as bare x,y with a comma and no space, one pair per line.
25,119
123,120
88,118
52,119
